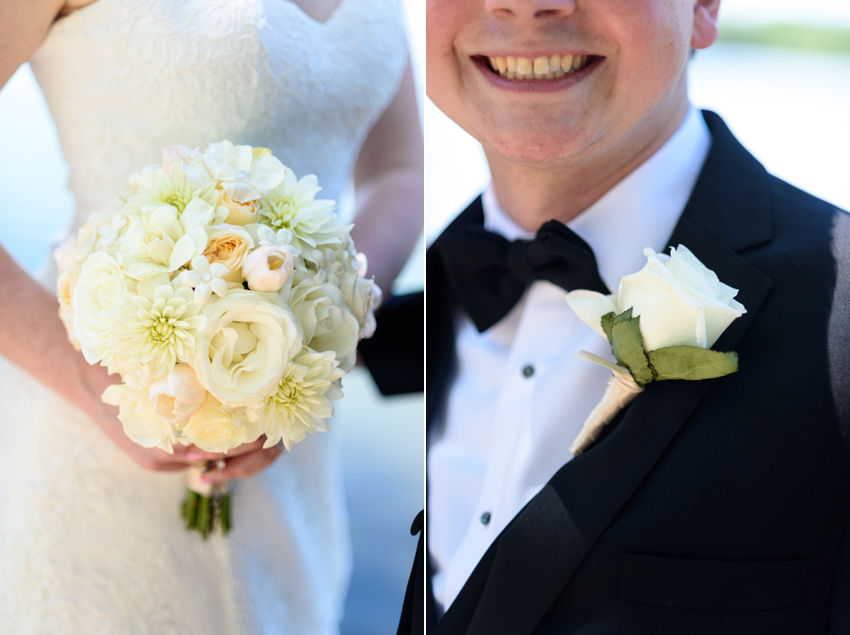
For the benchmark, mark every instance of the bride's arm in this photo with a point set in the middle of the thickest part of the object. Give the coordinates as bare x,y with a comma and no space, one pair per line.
33,338
31,334
389,185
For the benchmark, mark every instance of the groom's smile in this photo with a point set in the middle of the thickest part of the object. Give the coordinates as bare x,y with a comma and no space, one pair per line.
559,81
536,73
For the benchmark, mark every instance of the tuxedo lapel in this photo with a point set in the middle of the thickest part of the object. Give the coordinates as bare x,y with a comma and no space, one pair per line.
532,560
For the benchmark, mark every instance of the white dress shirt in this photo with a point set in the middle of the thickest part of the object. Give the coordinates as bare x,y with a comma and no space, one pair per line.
519,398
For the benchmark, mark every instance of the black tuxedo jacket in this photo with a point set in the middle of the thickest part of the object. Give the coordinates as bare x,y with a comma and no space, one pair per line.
717,506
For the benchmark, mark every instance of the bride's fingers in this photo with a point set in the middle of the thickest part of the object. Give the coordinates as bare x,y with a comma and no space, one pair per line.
249,464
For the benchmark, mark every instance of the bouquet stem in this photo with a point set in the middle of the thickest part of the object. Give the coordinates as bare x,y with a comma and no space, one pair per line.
207,505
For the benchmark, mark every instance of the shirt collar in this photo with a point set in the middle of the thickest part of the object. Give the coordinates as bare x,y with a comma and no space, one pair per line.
638,212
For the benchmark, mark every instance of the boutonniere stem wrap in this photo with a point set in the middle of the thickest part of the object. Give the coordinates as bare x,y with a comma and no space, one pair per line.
661,324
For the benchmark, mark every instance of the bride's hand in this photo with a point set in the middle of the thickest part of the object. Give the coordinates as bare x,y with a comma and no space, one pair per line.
241,462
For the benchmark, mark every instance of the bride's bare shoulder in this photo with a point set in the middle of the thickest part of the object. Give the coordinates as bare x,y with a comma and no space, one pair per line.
23,26
72,5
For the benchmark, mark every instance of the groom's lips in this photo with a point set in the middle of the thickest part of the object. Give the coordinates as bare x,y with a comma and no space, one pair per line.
543,82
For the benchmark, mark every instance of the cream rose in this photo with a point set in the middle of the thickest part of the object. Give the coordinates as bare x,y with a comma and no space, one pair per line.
267,268
228,245
240,214
325,320
140,421
176,396
100,284
242,353
66,282
680,301
217,428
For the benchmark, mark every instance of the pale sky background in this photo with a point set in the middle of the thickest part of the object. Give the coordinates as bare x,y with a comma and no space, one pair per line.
826,12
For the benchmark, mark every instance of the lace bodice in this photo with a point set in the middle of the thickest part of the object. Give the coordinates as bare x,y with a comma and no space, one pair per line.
124,78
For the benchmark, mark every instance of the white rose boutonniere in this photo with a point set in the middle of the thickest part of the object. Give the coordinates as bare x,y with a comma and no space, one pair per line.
661,324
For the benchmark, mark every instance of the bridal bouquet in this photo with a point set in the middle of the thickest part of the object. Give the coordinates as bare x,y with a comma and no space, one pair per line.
227,297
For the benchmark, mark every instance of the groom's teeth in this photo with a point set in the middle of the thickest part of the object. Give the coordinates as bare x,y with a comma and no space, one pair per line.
523,66
543,67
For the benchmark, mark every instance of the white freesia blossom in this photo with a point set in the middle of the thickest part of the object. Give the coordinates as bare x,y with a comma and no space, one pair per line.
156,330
176,396
243,172
140,421
268,268
160,239
205,279
170,188
679,300
99,287
267,236
292,205
241,354
302,402
326,322
174,155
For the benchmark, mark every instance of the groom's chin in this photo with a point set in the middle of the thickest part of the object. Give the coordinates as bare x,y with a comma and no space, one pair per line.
539,146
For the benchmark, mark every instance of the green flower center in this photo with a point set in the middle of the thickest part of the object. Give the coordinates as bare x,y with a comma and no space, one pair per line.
287,393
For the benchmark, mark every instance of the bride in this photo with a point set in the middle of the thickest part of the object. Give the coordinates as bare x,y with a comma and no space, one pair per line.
90,539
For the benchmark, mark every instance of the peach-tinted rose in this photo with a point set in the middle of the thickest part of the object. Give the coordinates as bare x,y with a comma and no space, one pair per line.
240,214
229,246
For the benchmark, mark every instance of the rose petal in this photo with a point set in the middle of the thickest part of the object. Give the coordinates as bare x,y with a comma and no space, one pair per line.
590,306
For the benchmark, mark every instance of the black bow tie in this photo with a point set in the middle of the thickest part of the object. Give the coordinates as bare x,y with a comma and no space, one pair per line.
488,273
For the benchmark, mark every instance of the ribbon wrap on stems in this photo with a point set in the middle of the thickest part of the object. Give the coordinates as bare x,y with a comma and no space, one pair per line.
619,393
207,504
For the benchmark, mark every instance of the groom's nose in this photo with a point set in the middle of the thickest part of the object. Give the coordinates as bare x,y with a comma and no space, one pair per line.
530,10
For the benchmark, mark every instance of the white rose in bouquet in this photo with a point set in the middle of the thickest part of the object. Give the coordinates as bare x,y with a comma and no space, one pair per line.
248,342
218,428
327,324
99,286
137,416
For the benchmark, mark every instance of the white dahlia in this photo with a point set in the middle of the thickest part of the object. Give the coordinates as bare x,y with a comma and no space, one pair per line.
156,329
292,205
302,402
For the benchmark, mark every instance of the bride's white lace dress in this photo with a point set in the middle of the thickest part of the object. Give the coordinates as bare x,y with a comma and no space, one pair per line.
89,542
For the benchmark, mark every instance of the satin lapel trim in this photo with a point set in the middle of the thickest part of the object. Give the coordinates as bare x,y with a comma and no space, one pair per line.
538,553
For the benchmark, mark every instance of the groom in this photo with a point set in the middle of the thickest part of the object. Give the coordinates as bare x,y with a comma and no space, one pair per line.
715,506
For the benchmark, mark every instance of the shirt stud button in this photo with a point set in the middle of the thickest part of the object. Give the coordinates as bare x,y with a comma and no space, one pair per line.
485,518
528,371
